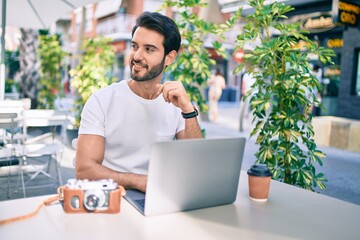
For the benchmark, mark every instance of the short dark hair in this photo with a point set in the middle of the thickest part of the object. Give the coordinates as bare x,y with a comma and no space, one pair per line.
316,67
163,25
217,71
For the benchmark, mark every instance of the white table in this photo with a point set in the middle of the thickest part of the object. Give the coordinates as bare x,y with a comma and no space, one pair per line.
290,213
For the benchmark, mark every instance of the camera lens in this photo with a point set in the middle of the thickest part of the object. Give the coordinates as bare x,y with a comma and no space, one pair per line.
92,202
94,199
75,202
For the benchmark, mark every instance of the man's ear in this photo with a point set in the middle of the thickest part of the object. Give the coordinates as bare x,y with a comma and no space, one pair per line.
170,57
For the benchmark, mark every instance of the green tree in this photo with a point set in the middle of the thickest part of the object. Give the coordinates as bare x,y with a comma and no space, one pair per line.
93,72
282,95
52,59
193,63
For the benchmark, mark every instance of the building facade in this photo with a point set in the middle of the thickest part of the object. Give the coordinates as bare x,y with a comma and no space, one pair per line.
336,24
333,24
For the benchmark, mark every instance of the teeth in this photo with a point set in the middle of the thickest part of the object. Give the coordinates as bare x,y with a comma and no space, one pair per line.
137,65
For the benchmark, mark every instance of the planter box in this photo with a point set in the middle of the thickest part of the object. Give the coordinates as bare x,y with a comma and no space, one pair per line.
342,133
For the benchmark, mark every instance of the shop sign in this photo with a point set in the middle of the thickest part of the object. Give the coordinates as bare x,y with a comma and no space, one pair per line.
323,22
349,13
333,70
335,43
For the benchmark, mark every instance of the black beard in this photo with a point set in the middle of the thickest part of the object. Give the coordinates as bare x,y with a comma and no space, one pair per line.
150,74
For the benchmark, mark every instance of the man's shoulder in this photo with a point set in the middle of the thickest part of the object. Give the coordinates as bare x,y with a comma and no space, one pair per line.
113,88
109,94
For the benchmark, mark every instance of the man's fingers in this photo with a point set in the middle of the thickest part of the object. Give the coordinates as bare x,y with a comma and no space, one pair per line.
123,191
172,94
169,92
160,88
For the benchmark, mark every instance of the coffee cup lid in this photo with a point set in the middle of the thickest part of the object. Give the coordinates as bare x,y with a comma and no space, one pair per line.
259,170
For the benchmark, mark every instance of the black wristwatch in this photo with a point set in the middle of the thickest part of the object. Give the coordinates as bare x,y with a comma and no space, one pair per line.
190,114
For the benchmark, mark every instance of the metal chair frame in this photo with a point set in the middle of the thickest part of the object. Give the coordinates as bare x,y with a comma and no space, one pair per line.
10,159
41,152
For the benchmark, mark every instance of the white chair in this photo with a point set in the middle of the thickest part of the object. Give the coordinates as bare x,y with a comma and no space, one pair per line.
8,121
15,106
10,163
44,149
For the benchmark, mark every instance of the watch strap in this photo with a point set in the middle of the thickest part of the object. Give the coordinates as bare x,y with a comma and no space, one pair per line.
193,114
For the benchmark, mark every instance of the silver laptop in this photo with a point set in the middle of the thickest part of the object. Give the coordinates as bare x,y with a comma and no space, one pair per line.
190,174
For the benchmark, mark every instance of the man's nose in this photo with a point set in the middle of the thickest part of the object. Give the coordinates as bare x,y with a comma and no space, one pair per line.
138,55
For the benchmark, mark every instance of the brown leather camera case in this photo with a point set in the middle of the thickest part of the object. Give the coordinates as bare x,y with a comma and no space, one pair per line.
67,194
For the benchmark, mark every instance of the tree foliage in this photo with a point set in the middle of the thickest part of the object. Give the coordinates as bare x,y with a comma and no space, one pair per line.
193,63
52,58
93,72
282,96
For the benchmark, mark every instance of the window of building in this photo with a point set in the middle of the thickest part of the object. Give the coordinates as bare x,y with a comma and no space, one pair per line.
357,73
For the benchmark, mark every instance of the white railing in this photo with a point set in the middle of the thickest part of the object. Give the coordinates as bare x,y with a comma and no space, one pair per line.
121,23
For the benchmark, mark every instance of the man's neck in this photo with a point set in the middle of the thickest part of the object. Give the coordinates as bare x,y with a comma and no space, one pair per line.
147,89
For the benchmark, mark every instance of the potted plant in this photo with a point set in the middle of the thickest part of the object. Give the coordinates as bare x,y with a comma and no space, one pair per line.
92,73
52,58
282,95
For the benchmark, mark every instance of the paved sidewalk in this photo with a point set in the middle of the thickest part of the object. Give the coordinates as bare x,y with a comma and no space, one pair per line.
342,168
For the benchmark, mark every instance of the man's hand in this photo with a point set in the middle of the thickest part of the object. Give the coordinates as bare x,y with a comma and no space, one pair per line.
138,181
174,92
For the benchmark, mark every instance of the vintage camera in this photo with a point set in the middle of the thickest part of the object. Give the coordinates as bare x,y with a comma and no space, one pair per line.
80,196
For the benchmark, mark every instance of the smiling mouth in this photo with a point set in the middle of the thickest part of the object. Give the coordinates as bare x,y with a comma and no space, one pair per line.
138,65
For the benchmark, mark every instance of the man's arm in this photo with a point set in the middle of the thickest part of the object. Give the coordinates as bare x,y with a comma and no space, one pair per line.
174,92
89,156
192,130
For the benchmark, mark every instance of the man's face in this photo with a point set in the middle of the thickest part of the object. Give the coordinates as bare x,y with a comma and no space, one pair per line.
147,57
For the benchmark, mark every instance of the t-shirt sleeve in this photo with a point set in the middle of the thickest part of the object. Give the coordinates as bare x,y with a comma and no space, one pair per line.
92,118
181,125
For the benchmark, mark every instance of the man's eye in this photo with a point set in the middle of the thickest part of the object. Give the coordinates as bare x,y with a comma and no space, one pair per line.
150,49
133,46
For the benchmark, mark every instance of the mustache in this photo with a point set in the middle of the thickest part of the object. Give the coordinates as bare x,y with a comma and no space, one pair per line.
138,62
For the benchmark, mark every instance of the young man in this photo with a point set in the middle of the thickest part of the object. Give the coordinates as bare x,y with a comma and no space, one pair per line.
120,122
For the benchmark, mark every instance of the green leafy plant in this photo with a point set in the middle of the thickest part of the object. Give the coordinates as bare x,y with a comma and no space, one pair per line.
10,84
92,73
193,63
12,63
52,58
282,96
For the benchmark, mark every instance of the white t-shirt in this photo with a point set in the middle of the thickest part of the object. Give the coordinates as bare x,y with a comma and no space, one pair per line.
129,124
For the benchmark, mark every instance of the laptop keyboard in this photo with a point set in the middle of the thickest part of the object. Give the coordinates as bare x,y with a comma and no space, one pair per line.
141,203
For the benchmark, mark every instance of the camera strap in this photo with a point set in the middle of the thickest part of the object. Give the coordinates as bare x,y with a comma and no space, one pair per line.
46,202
